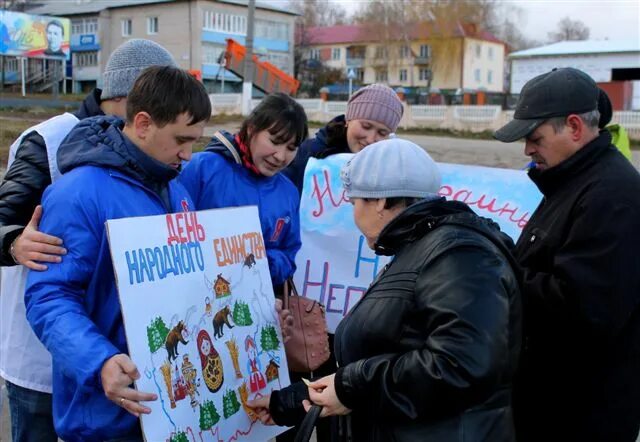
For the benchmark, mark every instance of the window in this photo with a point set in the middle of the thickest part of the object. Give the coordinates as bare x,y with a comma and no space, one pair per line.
126,27
489,76
211,53
424,74
381,52
84,26
404,51
478,51
490,53
403,75
85,59
77,26
11,64
477,75
335,54
272,30
227,23
425,51
381,76
91,26
314,54
152,25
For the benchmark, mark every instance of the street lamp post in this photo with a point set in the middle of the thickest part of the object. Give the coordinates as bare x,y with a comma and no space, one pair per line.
247,84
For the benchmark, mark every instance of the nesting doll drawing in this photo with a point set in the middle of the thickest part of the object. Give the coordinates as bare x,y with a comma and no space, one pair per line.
211,362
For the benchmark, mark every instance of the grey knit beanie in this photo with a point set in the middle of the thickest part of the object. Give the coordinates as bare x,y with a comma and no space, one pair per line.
376,102
126,63
389,169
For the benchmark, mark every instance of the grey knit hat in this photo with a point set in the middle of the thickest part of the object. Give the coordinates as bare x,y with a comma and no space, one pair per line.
376,102
389,169
126,63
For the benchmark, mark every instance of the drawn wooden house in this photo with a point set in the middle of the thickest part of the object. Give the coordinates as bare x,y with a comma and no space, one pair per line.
221,287
272,371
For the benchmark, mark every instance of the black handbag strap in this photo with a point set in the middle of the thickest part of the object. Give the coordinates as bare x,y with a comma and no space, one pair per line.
305,429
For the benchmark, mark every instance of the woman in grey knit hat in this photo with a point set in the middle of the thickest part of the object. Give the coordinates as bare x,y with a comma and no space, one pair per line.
430,350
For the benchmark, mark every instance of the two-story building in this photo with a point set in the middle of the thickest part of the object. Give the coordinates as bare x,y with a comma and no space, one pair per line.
194,31
465,58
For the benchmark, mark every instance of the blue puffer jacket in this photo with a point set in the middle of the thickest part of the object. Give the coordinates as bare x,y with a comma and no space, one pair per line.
73,307
316,147
214,180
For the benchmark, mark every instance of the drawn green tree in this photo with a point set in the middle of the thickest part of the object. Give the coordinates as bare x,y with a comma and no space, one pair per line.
241,314
269,338
180,436
208,415
230,404
157,333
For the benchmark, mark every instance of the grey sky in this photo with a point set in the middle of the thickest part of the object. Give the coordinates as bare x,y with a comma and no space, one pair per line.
612,19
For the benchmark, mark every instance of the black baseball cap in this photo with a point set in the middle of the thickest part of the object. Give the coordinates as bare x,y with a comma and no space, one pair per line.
558,93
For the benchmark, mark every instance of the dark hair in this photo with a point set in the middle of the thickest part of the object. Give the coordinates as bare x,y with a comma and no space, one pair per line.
337,133
56,23
281,115
406,201
392,202
166,92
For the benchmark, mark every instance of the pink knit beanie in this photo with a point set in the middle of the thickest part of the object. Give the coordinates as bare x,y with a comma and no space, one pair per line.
376,102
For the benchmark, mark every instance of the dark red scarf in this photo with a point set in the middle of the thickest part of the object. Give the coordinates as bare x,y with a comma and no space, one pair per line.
246,156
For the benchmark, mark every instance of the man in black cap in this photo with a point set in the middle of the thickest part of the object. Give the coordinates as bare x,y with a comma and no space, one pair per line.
579,376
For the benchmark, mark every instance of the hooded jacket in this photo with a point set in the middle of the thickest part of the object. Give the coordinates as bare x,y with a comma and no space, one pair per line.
73,307
317,147
215,180
26,179
430,351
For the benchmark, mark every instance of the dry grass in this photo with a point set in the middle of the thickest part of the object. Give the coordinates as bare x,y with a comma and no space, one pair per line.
9,131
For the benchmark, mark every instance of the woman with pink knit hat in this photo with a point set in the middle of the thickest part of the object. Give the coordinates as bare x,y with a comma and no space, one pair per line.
373,113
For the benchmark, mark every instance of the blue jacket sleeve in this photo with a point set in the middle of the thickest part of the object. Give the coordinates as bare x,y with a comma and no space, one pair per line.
190,178
55,299
282,259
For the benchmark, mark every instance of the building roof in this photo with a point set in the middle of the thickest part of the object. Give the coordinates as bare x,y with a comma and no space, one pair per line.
363,33
80,7
580,47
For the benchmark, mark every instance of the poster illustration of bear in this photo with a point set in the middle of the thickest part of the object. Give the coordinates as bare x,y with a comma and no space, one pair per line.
200,323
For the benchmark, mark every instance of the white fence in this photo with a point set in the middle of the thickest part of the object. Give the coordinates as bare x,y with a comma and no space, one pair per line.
471,118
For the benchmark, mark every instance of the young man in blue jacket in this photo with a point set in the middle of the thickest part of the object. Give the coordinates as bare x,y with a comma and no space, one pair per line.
112,169
25,364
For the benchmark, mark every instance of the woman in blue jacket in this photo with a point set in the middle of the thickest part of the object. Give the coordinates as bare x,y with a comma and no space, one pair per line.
244,169
373,113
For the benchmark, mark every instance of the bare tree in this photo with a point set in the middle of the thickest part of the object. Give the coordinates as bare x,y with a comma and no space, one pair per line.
319,12
569,30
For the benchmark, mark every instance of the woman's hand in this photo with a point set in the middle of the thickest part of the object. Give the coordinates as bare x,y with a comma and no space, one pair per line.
261,407
323,392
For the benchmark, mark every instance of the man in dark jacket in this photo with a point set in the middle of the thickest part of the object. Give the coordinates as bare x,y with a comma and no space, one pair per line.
579,373
24,362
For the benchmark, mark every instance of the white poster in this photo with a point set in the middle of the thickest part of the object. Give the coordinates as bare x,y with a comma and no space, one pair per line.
200,321
335,266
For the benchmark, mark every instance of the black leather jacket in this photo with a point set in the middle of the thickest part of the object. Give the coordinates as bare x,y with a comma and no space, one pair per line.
430,351
27,178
